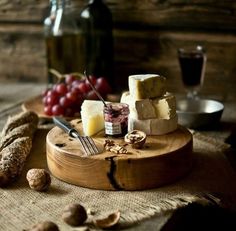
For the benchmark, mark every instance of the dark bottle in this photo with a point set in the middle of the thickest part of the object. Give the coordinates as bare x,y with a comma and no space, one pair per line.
96,23
64,41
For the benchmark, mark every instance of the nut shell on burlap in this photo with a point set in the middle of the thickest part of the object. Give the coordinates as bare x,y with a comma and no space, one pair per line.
15,145
38,179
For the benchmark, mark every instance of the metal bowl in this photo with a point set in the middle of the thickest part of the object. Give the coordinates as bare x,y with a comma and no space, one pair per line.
199,114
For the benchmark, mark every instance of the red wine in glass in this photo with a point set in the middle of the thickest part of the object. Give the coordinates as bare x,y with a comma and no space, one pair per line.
192,63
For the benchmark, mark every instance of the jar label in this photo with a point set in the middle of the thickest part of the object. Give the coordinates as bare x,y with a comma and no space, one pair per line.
112,128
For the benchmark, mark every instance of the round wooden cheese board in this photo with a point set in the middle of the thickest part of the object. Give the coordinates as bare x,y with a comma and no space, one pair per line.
163,160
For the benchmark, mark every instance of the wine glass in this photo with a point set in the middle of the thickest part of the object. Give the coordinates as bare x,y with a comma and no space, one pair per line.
192,62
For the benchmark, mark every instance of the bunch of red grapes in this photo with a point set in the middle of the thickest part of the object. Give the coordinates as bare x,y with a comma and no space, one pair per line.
66,97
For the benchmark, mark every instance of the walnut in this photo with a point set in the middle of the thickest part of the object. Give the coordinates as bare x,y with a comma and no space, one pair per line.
111,146
118,149
136,138
44,226
38,179
74,214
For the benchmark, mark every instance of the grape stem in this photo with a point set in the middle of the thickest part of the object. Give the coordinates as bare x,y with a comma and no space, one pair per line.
60,76
56,73
94,89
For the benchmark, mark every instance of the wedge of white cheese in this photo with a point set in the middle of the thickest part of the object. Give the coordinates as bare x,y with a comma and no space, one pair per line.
154,126
160,107
92,116
146,86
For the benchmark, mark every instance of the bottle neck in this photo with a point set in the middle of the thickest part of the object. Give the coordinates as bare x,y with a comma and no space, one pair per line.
64,22
64,7
53,4
63,4
49,21
95,1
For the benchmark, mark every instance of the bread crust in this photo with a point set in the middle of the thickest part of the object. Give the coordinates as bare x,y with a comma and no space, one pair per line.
15,145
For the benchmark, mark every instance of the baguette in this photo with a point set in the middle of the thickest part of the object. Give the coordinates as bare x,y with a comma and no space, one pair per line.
15,145
24,130
18,120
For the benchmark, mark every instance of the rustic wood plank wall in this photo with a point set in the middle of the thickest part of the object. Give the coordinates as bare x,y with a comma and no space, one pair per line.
146,35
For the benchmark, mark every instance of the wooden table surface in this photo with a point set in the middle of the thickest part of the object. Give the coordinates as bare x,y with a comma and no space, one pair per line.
13,95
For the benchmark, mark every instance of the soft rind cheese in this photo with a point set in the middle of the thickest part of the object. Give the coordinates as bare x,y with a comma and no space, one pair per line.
92,117
160,107
146,86
154,126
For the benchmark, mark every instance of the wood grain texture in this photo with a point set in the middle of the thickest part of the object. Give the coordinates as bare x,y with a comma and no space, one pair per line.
146,36
164,159
22,55
22,11
199,14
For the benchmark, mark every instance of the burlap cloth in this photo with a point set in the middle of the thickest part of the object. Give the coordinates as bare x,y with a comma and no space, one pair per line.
21,207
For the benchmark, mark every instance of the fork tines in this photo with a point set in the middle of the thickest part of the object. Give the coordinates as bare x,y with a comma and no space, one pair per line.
88,144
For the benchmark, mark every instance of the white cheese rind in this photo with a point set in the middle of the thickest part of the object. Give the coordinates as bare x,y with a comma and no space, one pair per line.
160,107
146,86
154,126
92,117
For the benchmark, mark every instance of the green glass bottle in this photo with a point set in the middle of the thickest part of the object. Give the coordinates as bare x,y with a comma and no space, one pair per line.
64,42
96,23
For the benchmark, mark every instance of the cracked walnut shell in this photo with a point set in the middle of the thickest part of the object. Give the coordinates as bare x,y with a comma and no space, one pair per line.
38,179
109,221
136,138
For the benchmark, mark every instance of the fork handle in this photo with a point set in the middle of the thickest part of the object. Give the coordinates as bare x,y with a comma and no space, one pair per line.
64,125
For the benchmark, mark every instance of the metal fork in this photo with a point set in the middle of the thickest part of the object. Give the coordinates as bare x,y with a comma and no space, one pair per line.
87,142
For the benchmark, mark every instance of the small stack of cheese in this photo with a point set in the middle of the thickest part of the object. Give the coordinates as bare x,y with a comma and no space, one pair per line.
152,109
